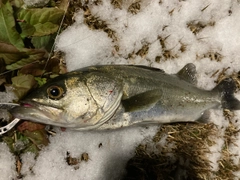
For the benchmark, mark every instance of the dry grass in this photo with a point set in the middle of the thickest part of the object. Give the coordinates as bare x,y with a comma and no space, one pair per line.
197,26
181,157
226,164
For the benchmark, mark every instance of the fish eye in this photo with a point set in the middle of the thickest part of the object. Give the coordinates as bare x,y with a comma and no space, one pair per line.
55,92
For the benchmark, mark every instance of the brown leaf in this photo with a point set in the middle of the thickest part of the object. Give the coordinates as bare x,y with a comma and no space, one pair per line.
2,65
34,69
32,55
31,126
53,65
18,166
72,160
10,53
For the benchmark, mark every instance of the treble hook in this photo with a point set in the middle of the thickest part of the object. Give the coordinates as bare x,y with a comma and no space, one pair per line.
9,126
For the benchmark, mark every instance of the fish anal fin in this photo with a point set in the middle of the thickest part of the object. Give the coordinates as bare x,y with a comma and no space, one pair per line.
142,101
188,73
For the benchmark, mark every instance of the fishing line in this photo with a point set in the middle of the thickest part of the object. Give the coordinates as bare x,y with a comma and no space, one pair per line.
58,32
76,42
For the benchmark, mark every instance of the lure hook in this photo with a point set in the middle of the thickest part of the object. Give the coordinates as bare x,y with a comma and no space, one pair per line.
9,126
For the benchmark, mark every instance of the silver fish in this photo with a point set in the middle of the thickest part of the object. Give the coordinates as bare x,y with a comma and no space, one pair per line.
115,96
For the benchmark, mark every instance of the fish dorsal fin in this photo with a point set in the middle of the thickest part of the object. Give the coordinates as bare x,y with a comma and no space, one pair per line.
188,73
142,101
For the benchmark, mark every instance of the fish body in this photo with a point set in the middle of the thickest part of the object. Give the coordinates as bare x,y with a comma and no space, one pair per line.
114,96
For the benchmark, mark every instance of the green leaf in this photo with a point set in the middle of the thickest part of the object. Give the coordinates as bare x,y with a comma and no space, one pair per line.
17,3
31,148
20,63
8,32
27,29
45,42
47,28
41,81
40,42
22,84
24,81
45,20
38,137
53,15
32,56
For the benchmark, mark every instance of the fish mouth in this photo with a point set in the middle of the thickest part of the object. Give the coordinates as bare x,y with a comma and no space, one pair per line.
37,112
26,104
31,105
37,105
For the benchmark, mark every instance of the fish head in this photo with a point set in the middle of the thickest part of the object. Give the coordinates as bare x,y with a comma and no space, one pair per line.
75,100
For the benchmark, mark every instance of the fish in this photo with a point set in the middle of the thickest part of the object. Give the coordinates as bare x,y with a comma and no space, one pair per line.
116,96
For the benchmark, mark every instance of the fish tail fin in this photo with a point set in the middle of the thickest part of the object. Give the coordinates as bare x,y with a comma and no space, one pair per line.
226,88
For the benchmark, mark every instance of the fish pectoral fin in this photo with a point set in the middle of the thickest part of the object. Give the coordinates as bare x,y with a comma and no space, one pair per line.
188,73
142,101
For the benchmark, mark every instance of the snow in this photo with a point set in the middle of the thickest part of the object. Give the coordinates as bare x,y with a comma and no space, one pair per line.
116,148
89,52
7,165
35,3
168,20
8,96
